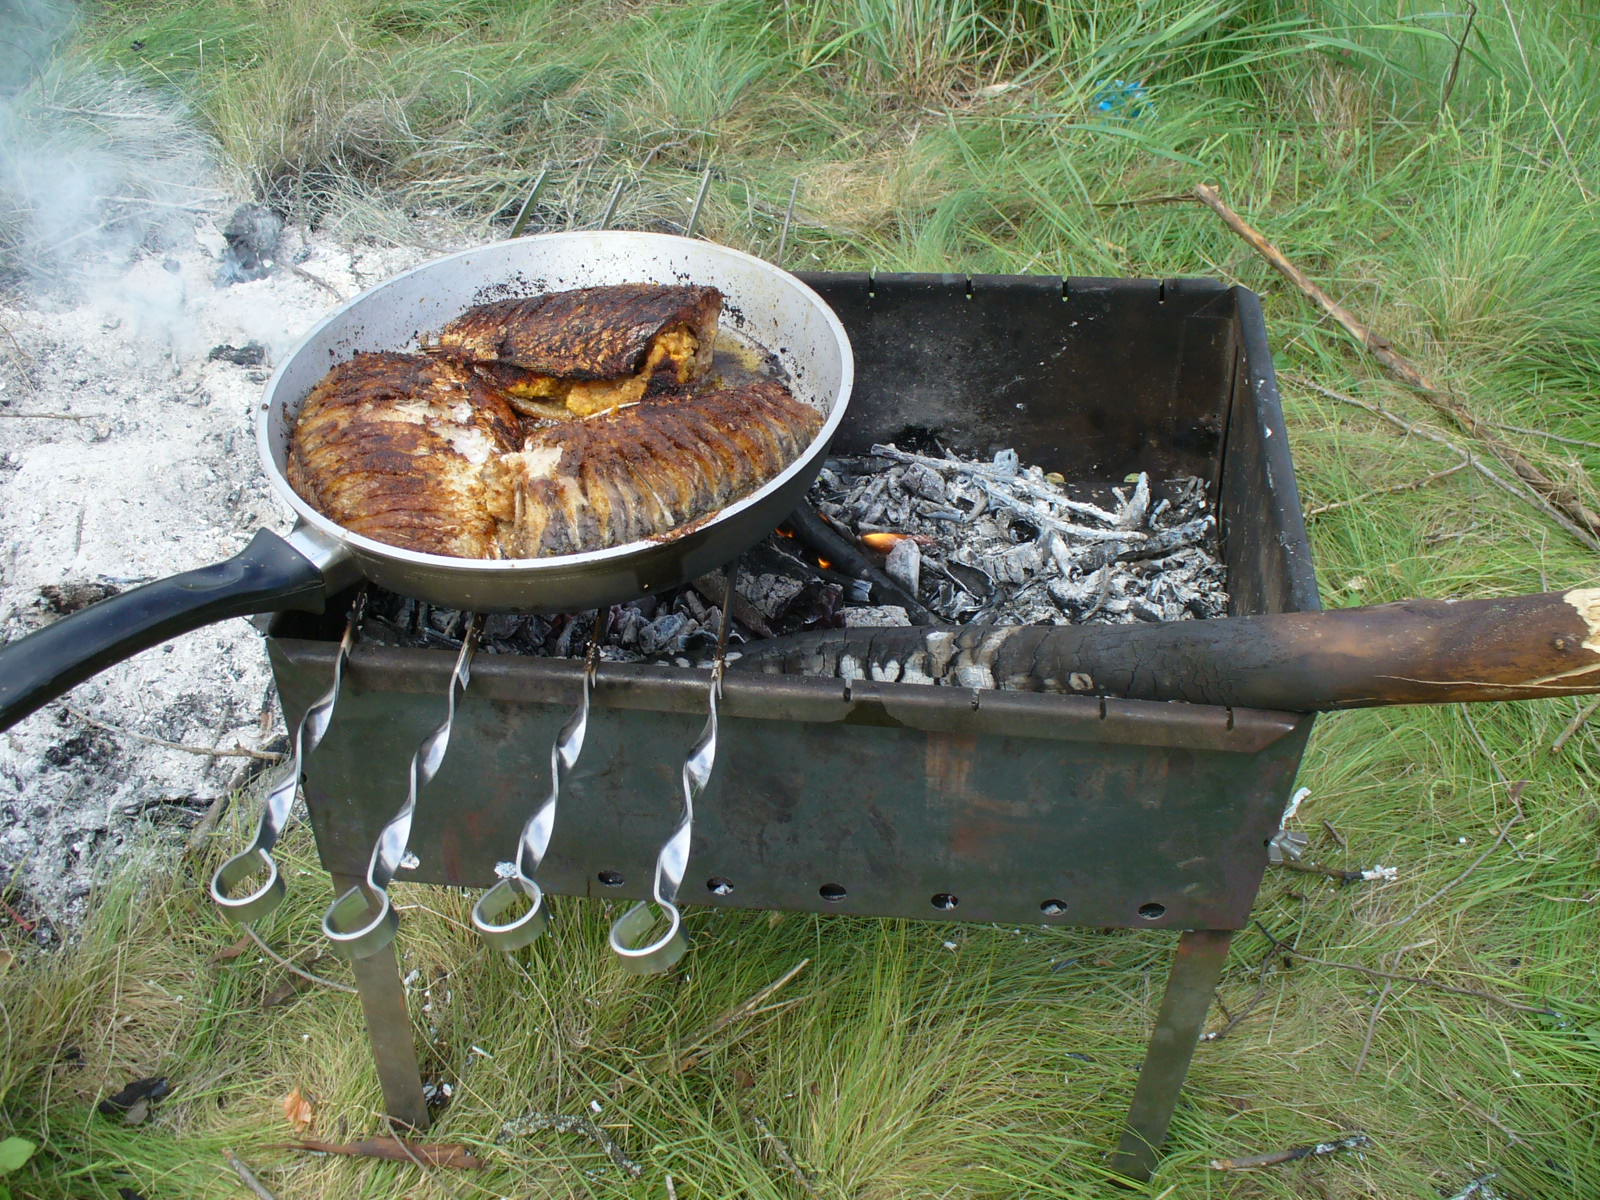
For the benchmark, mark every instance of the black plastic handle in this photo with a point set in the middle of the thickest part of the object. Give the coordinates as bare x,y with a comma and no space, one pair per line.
267,575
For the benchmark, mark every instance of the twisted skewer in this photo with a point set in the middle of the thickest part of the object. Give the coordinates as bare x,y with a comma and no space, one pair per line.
246,907
362,921
630,931
516,876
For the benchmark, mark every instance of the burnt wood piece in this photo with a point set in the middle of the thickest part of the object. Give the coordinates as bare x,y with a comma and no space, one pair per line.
813,531
1412,652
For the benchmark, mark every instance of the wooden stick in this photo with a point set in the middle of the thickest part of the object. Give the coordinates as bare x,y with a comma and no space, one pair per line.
1520,490
1412,652
1351,1141
1407,372
1574,725
1420,980
695,1050
1409,486
209,751
784,1156
248,1176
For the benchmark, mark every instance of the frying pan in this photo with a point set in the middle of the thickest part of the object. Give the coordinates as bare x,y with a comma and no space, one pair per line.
319,557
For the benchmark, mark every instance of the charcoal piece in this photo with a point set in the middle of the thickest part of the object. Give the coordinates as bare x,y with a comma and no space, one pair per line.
140,1091
251,354
665,634
69,597
252,235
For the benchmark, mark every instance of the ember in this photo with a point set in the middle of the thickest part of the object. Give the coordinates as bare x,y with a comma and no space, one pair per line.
976,542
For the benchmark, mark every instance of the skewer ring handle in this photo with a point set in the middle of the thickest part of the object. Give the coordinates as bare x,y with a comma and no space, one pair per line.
498,900
356,927
639,957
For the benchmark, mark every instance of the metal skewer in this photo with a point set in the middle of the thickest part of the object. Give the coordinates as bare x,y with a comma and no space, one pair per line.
629,931
256,903
516,876
362,921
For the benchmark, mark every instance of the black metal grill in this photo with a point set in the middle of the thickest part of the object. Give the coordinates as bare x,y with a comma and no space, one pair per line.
895,799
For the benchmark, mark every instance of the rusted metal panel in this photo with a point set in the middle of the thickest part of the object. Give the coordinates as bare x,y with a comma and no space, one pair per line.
892,814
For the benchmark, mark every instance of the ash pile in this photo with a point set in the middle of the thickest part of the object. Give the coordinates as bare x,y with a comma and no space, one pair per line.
902,537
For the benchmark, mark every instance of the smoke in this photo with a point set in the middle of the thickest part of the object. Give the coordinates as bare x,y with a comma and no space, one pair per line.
95,168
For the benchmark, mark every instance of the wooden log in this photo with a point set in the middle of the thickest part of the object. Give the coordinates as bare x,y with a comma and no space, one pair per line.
1413,652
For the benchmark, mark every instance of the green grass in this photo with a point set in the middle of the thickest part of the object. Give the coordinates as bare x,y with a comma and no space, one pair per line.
961,135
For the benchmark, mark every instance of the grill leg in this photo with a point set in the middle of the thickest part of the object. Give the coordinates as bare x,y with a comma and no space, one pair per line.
383,1002
1195,969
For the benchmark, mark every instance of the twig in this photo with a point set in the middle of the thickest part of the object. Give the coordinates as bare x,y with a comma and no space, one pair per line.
294,970
786,1158
561,1123
395,1149
316,279
1505,832
1522,493
1409,486
1341,875
1574,725
1419,980
25,363
1545,433
209,751
1236,1019
1398,365
248,1176
1139,201
23,923
694,1052
50,416
1350,1141
1335,834
1377,1009
1455,63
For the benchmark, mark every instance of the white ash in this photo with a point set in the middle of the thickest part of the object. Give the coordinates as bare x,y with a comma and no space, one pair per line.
127,453
982,542
999,543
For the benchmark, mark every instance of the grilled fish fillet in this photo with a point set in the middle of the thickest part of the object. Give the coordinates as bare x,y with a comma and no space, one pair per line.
590,349
393,446
645,470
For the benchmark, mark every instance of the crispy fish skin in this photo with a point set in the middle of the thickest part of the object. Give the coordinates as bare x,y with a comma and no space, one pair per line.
644,470
589,348
392,446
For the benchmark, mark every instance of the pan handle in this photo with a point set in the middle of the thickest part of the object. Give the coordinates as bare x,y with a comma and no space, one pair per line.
270,574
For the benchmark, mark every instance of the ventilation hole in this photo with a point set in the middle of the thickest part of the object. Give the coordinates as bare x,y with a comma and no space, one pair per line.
831,892
1053,908
1152,911
718,886
945,900
612,878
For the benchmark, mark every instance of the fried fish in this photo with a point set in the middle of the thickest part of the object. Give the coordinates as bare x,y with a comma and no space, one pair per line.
393,446
644,470
590,349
